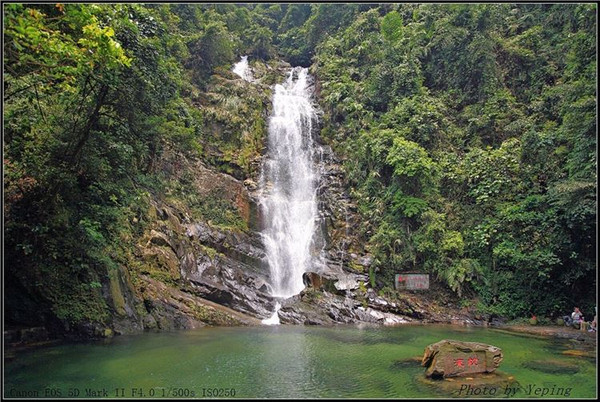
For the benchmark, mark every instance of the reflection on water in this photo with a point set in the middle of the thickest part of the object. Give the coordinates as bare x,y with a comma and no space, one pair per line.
281,362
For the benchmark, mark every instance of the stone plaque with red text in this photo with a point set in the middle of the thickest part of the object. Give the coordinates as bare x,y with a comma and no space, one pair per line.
449,358
412,281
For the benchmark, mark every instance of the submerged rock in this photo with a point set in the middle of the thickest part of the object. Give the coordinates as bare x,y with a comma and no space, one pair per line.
26,335
496,384
552,366
414,361
578,353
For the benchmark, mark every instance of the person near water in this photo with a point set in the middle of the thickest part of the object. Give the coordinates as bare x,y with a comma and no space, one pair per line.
577,317
574,319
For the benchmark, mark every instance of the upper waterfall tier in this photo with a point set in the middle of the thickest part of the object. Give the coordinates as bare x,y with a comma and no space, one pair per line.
289,181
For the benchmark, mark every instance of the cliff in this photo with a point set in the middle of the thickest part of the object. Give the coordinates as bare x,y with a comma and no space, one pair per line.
195,256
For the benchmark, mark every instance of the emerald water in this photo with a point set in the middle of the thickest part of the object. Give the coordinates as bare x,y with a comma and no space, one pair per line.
277,362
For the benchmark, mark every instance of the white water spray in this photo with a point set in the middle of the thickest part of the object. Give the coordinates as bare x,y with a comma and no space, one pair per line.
242,69
274,319
288,180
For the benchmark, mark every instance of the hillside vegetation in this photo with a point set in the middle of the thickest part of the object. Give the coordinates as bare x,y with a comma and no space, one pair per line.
468,133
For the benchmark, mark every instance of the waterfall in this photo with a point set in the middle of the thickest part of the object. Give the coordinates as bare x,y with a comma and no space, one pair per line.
288,181
242,69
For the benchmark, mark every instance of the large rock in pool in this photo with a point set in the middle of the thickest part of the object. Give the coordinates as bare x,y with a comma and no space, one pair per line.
449,358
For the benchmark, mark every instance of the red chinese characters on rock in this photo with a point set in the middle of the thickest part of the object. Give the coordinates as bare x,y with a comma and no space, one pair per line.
471,361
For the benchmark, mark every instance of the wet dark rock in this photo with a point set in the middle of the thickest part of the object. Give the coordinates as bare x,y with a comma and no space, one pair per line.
245,247
89,330
173,308
338,217
402,307
497,321
320,281
150,322
233,287
234,275
322,307
313,280
26,335
297,311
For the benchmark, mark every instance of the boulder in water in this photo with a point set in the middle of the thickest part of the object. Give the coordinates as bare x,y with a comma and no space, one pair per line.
450,358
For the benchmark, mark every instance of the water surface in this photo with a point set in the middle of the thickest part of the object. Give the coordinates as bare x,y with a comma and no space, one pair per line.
277,362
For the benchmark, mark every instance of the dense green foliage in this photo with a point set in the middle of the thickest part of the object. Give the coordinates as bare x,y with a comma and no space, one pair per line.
100,109
469,132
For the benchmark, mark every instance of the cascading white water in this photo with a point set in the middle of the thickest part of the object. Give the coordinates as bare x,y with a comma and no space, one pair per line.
288,180
242,69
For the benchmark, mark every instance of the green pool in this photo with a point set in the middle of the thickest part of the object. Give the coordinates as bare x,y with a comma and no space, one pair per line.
281,362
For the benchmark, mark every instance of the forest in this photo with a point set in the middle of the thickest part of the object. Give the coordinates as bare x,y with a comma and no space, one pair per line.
467,134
